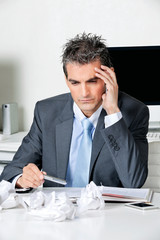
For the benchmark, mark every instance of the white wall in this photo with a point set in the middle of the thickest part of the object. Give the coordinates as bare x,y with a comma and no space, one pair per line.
32,33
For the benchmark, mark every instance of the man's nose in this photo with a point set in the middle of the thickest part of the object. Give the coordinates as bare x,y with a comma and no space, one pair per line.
85,91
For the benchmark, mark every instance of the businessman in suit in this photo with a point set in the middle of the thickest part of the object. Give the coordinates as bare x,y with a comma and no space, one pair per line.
119,148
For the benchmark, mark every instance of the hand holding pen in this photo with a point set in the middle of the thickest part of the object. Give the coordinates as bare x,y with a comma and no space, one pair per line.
32,177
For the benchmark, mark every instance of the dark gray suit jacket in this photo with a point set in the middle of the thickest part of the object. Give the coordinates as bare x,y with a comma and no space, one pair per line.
119,152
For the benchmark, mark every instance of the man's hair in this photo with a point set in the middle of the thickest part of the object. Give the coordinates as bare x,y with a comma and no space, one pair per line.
85,48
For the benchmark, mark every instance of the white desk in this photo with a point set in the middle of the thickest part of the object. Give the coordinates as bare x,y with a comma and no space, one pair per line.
115,222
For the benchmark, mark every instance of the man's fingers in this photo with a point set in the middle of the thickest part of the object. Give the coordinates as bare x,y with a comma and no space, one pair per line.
108,73
26,183
31,177
32,170
106,80
31,180
105,76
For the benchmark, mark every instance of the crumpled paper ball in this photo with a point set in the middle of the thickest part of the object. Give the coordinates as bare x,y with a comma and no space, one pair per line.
51,207
6,189
11,202
91,199
8,197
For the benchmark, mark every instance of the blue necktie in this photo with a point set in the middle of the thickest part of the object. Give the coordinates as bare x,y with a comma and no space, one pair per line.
81,175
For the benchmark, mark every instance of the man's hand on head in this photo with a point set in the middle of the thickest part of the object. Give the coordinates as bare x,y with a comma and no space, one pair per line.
32,177
110,97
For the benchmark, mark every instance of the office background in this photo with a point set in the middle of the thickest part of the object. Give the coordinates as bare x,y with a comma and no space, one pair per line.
32,33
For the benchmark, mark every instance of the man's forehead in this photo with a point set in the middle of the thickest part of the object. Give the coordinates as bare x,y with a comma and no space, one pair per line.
74,66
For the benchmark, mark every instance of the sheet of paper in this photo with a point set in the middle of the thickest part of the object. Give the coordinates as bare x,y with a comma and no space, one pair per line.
132,193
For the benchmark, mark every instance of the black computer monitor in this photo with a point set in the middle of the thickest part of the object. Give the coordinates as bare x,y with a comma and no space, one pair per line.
138,71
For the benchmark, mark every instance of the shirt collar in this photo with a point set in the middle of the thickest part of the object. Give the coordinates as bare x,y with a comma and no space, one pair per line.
80,116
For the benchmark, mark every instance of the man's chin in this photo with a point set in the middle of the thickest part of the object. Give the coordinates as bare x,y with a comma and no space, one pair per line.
87,109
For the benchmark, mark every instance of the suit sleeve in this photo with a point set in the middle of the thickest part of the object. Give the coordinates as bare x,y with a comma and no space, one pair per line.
129,148
30,151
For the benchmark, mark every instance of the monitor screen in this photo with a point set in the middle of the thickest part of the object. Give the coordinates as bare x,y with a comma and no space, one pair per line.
138,71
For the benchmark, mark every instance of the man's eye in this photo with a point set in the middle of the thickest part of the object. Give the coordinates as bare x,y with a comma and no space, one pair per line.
93,81
74,83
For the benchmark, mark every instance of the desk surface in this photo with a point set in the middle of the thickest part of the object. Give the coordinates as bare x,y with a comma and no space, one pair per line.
11,142
114,222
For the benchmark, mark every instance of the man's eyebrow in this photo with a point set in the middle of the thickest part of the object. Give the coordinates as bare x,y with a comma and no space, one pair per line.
90,79
72,80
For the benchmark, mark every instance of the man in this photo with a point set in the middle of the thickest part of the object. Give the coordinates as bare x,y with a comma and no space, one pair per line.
119,124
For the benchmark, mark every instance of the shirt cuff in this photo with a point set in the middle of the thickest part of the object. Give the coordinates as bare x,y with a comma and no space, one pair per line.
15,180
109,120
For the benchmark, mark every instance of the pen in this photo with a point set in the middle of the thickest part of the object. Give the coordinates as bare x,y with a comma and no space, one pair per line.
54,179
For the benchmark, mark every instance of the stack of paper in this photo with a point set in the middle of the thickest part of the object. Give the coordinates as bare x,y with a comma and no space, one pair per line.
117,194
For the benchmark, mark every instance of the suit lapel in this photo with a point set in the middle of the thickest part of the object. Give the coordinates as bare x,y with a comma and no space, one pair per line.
98,140
63,139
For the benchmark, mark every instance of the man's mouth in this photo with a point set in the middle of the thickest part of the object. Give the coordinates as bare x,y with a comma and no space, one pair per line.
86,100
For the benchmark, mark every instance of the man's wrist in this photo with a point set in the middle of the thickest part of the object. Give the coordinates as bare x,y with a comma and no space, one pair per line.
18,182
14,181
112,110
112,119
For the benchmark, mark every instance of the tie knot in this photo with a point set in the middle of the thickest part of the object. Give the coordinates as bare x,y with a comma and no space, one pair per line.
87,125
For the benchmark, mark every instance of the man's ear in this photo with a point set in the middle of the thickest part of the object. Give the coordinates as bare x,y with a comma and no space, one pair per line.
112,68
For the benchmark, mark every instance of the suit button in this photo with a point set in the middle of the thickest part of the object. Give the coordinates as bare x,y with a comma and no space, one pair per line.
116,147
113,143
